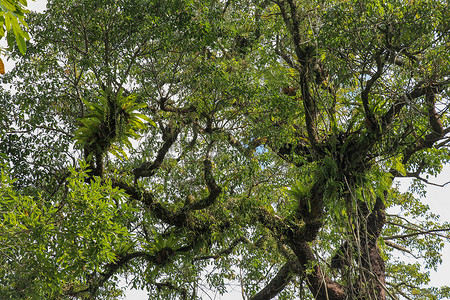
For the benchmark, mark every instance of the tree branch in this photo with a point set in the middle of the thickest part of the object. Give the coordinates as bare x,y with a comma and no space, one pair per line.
225,251
169,285
417,92
295,236
97,282
286,273
214,189
419,232
398,247
147,169
320,285
304,54
371,122
417,176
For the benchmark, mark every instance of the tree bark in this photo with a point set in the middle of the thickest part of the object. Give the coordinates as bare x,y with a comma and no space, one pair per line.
279,282
320,285
372,263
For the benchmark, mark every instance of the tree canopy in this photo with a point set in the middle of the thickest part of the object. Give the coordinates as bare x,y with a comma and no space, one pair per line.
189,146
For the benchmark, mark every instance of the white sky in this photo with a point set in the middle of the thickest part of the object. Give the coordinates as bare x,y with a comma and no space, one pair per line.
437,198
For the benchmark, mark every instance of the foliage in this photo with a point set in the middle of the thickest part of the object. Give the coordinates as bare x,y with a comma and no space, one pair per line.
101,128
277,131
12,16
49,244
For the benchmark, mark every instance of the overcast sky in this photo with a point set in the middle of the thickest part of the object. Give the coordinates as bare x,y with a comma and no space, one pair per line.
438,198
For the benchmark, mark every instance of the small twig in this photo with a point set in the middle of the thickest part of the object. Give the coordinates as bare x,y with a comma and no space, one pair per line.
225,251
415,228
402,236
432,183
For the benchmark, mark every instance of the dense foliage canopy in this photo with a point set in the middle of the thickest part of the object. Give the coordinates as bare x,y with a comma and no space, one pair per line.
189,146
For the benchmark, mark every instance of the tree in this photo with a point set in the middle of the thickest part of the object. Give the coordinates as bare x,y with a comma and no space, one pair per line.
187,144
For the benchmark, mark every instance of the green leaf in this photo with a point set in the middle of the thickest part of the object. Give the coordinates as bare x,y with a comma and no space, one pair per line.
6,6
7,21
399,166
118,152
10,38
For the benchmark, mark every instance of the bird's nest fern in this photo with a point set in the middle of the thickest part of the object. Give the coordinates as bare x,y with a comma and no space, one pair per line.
111,124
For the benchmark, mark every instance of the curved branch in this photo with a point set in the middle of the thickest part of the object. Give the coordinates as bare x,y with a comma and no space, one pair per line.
401,102
148,199
320,285
96,282
290,269
167,284
147,169
416,175
214,189
371,122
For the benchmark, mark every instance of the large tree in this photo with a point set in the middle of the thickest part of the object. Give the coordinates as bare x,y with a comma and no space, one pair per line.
186,145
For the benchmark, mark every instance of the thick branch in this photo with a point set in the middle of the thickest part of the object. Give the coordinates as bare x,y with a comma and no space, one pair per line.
310,109
296,236
371,122
144,196
287,59
164,107
320,285
372,262
398,247
110,269
270,221
147,169
295,30
401,102
304,53
167,284
214,189
290,269
366,251
433,116
157,209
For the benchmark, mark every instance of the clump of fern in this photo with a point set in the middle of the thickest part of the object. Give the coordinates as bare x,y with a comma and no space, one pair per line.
111,123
